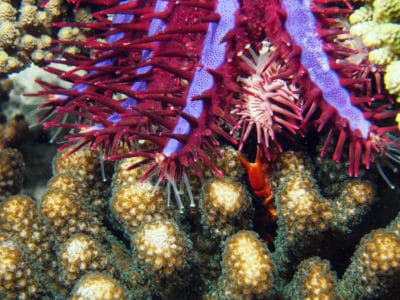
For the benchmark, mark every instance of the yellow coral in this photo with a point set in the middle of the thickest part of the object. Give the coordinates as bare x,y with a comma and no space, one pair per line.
3,60
44,41
28,42
68,33
68,215
28,15
98,286
290,162
225,203
8,33
52,8
38,56
377,26
7,12
136,202
381,56
229,165
13,132
313,280
20,219
12,169
161,248
16,276
11,256
17,214
386,10
392,78
355,198
383,34
68,183
374,268
301,209
42,18
398,118
364,13
225,197
124,175
13,64
247,267
21,23
79,254
84,164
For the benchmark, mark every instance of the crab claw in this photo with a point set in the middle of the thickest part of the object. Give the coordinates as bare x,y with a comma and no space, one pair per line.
259,173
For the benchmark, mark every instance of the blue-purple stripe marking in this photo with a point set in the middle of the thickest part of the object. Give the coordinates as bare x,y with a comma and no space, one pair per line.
212,57
156,26
301,25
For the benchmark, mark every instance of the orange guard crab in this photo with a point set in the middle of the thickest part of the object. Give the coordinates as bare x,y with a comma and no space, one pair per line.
259,173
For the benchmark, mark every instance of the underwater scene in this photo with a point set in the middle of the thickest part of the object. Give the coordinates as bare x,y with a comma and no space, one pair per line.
199,149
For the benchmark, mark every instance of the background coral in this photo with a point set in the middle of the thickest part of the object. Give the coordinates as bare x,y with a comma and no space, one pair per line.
12,169
26,32
377,24
156,256
13,131
305,215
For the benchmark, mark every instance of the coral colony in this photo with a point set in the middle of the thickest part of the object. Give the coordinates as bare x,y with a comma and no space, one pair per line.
180,74
177,94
